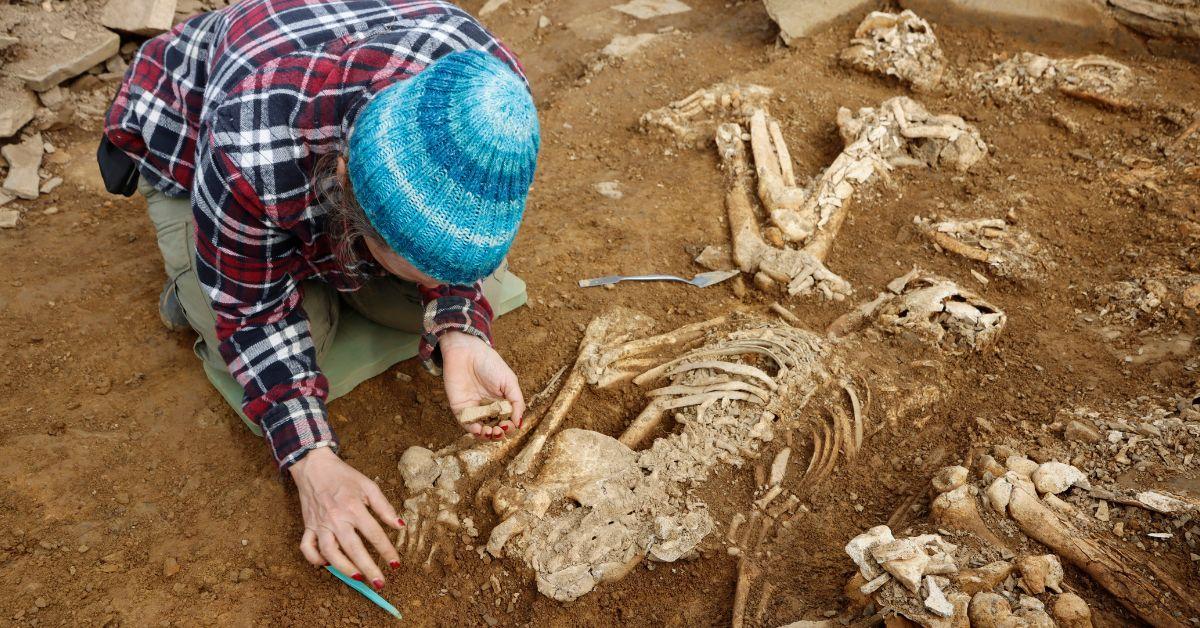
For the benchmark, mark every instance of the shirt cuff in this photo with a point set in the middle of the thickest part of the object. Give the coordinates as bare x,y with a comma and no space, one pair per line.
445,314
295,427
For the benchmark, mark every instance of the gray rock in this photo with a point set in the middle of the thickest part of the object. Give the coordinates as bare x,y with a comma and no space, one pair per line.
9,218
798,19
92,45
140,17
650,9
23,159
1082,432
17,107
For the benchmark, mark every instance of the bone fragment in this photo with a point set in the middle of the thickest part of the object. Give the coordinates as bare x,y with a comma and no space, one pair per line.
1132,577
1070,611
746,573
501,410
956,510
1039,573
779,466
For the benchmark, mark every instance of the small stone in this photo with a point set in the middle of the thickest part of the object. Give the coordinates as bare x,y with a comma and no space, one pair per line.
170,567
51,184
1070,611
17,106
41,602
1082,432
139,17
9,218
936,600
650,9
543,22
245,574
23,159
609,189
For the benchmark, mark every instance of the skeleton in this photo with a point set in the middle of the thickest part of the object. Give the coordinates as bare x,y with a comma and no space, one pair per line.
1094,78
1006,250
900,45
586,508
899,132
690,121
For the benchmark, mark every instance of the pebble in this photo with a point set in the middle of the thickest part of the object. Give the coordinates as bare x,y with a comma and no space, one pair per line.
245,574
41,602
9,218
1081,432
170,567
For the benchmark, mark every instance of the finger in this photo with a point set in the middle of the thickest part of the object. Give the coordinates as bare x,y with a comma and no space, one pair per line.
474,429
512,392
508,426
382,507
347,536
308,547
328,544
370,530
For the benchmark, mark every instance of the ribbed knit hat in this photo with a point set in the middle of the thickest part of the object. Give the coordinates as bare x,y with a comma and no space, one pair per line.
441,164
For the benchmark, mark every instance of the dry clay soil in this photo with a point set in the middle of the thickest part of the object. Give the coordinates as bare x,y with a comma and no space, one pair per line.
117,458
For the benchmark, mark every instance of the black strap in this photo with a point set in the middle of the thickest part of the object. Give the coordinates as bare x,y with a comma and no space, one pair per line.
119,171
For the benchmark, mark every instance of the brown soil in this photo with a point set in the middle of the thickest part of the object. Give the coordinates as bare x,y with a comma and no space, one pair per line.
116,454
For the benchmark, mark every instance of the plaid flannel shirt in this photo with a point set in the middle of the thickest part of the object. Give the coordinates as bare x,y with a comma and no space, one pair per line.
235,108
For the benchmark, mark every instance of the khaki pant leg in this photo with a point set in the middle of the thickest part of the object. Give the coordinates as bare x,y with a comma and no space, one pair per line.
173,224
395,303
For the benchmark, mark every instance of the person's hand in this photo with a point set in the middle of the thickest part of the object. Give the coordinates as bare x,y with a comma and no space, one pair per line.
475,374
334,499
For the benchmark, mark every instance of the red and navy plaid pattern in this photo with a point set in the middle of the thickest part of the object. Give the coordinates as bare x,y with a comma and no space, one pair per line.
235,108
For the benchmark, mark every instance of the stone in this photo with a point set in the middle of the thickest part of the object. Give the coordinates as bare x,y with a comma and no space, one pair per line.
71,58
859,550
1055,477
989,610
1054,20
245,574
51,184
624,46
491,6
936,600
139,17
650,9
17,107
1082,432
9,218
985,578
907,571
999,493
8,40
949,478
1191,297
609,189
798,19
23,159
170,567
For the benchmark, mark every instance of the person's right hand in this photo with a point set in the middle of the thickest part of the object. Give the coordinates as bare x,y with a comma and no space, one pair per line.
333,499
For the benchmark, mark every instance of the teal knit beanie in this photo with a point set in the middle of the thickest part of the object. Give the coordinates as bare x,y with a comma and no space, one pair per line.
441,164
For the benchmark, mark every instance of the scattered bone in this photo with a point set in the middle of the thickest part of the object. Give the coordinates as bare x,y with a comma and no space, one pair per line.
1070,611
949,478
985,578
1039,573
932,308
1055,477
779,466
746,572
859,549
1008,251
900,45
1094,78
956,510
1134,579
1021,465
498,410
989,610
936,600
691,121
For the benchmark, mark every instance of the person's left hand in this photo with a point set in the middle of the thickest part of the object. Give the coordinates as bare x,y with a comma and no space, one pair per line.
475,374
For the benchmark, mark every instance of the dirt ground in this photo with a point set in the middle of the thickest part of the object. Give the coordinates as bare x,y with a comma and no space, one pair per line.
117,457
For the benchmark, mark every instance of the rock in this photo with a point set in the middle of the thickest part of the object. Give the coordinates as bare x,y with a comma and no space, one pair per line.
51,184
988,464
624,46
1191,297
1055,477
999,493
1056,20
23,159
92,45
798,19
418,468
985,578
989,610
1070,611
907,571
9,218
17,106
936,600
8,40
715,257
859,550
609,189
543,22
650,9
949,478
170,567
1082,432
1039,573
139,17
245,574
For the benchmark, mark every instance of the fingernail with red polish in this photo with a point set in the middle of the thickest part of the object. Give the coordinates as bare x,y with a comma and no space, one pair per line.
359,577
378,584
325,565
401,522
395,564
